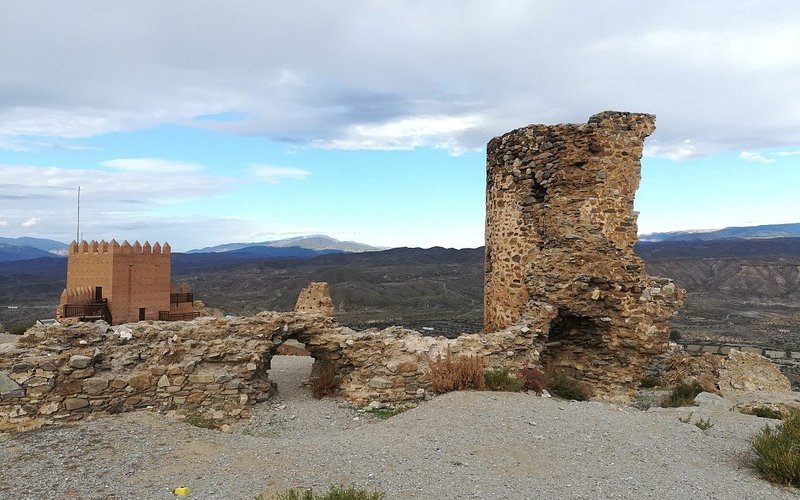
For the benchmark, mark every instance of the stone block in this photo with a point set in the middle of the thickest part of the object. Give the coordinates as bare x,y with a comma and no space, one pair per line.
79,361
140,381
75,403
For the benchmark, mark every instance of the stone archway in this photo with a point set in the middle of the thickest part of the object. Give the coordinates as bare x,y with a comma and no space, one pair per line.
576,345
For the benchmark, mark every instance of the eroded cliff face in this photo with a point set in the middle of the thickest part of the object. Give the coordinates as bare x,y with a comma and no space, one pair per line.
560,229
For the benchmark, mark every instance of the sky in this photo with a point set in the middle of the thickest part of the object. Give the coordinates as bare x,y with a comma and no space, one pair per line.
205,122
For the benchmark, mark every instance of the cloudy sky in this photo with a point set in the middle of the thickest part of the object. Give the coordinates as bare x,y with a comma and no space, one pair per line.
207,122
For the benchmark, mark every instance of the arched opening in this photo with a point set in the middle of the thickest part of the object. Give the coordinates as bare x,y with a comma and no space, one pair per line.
575,344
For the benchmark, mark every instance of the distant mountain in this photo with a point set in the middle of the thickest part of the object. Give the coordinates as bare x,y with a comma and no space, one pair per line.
317,242
746,232
9,253
51,246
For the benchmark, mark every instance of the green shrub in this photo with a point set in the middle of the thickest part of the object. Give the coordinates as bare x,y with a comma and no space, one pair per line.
18,329
334,493
202,422
767,412
324,380
778,451
704,424
502,380
456,373
682,395
564,386
649,381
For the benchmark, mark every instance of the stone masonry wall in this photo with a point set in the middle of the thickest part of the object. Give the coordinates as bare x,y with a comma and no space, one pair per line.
560,229
214,369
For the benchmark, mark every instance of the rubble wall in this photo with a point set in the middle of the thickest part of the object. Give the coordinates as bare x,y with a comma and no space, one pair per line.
560,230
215,369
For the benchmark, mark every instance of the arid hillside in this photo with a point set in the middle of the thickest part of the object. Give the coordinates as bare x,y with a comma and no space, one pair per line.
743,290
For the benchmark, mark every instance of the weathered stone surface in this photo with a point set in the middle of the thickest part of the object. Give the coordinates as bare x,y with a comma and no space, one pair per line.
9,388
560,229
316,298
703,368
75,403
80,361
743,371
94,385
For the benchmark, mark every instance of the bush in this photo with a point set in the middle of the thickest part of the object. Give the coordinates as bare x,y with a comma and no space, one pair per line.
674,335
324,380
649,381
18,329
534,379
334,493
456,373
564,386
778,451
682,395
767,412
501,380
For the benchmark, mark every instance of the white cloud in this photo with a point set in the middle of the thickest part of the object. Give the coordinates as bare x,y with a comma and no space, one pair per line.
31,222
756,157
786,153
152,165
723,77
274,174
404,133
675,152
3,223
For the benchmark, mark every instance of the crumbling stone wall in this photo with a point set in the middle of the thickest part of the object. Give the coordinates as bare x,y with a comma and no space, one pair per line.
214,369
316,297
560,229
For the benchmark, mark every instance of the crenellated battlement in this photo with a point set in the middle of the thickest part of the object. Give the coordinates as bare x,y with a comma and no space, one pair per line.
112,247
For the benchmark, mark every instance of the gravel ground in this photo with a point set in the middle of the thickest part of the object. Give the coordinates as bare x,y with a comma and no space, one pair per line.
460,445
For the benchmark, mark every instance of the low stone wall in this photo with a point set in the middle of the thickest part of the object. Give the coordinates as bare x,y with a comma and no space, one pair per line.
206,368
214,369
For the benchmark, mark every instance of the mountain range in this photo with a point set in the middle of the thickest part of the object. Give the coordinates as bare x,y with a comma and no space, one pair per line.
316,242
306,247
791,230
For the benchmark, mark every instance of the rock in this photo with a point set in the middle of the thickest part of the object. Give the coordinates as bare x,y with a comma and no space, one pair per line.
163,381
79,374
79,361
746,372
8,388
140,381
711,400
94,385
380,383
75,403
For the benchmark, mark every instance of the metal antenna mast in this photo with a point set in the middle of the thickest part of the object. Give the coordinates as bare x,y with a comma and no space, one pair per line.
78,228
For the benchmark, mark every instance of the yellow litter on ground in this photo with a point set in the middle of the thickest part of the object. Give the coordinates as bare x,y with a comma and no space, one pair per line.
182,491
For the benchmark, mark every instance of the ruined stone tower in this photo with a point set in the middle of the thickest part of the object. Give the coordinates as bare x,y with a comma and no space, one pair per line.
560,230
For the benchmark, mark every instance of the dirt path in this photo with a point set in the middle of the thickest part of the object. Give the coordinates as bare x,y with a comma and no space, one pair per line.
479,445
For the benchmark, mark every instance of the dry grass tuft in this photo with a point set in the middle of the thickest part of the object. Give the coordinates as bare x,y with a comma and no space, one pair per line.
324,380
456,373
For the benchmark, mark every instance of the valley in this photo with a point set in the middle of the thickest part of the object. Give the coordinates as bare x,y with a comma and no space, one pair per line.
740,291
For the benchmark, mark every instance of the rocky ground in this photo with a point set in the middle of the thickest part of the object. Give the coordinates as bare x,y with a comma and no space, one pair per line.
460,445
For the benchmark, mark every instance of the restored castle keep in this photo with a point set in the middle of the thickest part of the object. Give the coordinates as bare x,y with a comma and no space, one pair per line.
560,230
122,283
